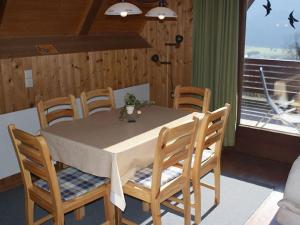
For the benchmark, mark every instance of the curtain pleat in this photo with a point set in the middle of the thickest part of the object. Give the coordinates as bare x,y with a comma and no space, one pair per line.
215,54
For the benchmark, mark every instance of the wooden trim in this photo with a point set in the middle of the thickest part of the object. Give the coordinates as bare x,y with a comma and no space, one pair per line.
10,182
241,51
2,9
265,214
267,144
250,2
89,16
23,47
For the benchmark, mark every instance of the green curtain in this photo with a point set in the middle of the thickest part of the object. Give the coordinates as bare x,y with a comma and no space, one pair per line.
215,54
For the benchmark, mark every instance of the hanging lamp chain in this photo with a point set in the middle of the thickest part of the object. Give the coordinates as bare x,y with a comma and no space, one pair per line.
163,3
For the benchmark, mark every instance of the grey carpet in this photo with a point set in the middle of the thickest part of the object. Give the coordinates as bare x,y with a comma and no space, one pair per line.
239,200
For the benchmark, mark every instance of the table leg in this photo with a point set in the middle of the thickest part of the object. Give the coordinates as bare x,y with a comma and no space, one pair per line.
118,216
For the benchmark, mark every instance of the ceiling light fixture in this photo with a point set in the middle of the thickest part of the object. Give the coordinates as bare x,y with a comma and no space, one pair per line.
123,9
162,12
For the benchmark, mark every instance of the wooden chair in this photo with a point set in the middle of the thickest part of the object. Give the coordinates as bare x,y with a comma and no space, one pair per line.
207,156
53,191
97,99
158,182
192,99
54,110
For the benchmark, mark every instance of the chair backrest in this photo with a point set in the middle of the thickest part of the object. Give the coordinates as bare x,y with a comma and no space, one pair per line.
270,101
211,133
192,99
56,109
34,158
97,99
174,145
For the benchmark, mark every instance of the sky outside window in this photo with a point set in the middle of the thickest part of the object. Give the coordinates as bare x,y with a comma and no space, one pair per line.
272,37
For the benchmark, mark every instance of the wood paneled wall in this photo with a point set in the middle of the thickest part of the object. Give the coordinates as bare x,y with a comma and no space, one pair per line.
61,75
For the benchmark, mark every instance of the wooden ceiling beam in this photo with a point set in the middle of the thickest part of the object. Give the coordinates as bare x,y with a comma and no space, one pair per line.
250,2
34,46
2,9
89,17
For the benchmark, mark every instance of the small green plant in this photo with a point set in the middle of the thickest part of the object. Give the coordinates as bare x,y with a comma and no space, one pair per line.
130,99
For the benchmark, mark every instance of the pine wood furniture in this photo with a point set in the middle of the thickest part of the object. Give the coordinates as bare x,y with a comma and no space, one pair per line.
112,148
207,157
34,159
97,99
192,99
160,181
55,109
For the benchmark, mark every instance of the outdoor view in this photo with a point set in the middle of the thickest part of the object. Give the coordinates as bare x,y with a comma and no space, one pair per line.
272,36
271,82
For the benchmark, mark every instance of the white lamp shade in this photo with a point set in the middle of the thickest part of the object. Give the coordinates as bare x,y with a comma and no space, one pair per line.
121,8
161,13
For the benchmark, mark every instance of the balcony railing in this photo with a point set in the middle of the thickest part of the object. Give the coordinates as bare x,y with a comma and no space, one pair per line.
283,82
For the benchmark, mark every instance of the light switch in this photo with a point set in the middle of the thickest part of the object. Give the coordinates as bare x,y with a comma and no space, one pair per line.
28,78
28,74
28,83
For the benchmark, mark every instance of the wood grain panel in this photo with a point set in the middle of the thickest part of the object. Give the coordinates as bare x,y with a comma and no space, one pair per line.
64,74
42,18
2,9
23,47
265,144
132,23
89,16
66,17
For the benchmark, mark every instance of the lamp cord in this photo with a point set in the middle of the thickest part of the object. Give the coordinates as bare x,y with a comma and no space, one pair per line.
162,3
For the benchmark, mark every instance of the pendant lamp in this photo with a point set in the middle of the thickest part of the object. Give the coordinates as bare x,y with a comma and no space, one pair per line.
161,12
123,9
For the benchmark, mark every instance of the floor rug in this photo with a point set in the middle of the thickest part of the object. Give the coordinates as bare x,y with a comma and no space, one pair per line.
239,200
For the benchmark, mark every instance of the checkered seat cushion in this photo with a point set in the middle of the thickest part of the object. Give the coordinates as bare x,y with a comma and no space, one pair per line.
74,183
143,177
207,153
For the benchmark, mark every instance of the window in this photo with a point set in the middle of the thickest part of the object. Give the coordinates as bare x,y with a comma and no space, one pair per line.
272,49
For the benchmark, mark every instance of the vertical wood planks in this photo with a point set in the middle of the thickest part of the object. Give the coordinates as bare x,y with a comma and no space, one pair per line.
61,75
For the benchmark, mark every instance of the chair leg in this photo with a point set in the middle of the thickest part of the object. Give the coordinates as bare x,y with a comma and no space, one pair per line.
263,118
59,166
155,210
79,213
59,219
197,200
187,204
108,209
290,124
29,207
265,123
146,206
217,175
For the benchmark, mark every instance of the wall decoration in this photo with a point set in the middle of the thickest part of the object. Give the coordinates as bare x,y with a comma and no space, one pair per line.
268,7
292,19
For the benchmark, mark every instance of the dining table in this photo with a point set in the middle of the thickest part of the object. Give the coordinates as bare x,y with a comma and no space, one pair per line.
107,146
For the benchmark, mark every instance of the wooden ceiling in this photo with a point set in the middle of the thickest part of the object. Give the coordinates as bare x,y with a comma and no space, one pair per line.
54,20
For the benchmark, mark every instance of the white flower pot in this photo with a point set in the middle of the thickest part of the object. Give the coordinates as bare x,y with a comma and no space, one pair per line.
129,109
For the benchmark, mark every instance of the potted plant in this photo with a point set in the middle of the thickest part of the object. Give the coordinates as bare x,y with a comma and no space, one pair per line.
130,102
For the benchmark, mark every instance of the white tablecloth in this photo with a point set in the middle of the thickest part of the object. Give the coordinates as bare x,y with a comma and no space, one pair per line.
105,146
